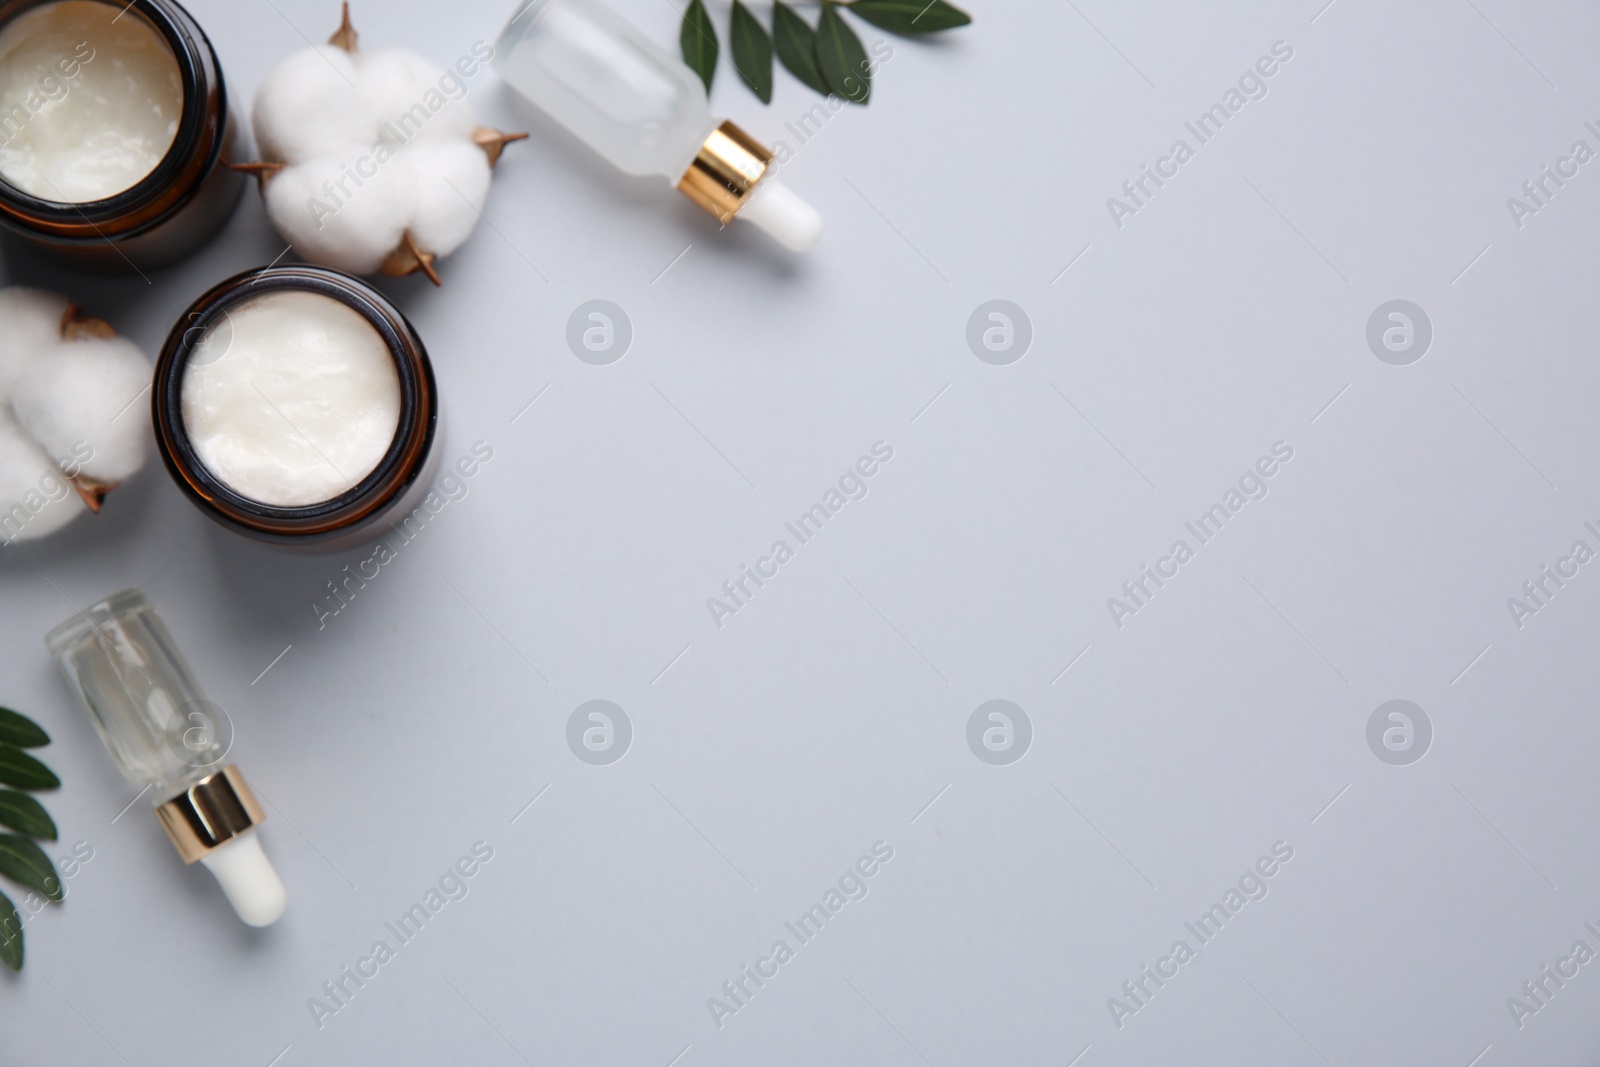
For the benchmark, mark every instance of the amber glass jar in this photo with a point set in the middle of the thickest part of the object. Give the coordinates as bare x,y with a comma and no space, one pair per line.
177,206
395,485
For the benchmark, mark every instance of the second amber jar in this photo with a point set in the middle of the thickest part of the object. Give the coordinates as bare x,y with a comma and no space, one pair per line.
296,405
115,132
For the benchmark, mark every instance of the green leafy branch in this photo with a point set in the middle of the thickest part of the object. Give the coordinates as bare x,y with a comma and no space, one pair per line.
20,859
829,58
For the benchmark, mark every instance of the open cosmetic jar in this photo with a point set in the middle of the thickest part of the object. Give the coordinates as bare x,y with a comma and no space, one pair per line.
115,134
297,406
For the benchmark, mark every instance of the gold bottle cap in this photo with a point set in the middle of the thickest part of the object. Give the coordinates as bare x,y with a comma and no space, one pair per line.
210,813
724,174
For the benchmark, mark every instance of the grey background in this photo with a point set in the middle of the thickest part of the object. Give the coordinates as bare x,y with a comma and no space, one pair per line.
831,712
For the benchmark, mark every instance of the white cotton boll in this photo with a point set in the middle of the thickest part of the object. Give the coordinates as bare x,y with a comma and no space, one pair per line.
417,97
69,406
35,500
30,326
454,121
393,79
354,233
393,144
87,403
310,101
452,183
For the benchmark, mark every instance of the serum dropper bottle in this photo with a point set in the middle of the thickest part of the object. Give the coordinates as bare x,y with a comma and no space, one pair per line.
642,109
167,739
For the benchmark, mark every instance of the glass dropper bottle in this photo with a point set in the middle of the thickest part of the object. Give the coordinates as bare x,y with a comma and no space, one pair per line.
166,738
642,109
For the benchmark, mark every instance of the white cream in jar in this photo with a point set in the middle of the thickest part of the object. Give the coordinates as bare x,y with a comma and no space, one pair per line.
293,401
90,99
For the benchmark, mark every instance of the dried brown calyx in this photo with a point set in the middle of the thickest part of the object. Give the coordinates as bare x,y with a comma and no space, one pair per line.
77,324
262,171
345,36
493,141
409,259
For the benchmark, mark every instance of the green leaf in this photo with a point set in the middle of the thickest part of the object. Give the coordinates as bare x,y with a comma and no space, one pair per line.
797,45
26,815
911,17
752,52
20,730
841,58
698,40
19,769
24,862
10,934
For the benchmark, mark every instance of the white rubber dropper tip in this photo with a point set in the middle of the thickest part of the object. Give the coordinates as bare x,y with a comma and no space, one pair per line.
788,219
249,880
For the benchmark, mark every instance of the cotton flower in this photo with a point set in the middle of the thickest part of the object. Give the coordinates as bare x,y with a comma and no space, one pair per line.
372,161
72,427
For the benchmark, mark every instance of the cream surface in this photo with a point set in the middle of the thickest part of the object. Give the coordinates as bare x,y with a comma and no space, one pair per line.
89,101
300,405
